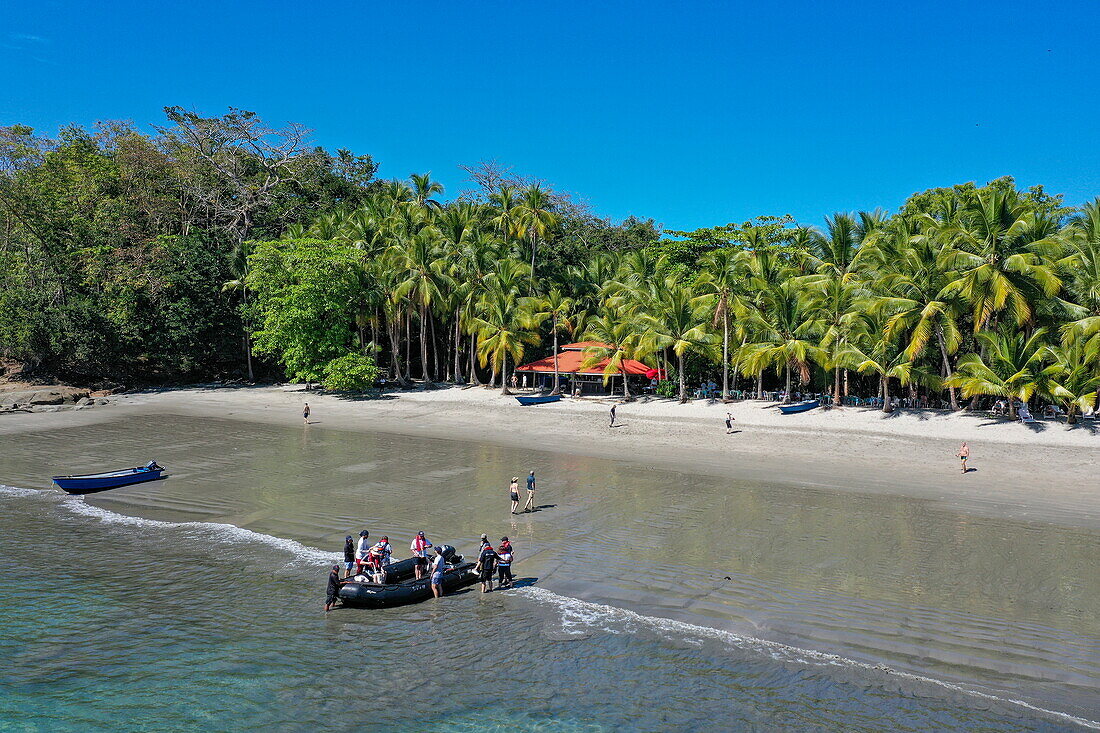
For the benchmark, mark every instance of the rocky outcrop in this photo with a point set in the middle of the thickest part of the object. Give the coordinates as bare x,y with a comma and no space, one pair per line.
48,399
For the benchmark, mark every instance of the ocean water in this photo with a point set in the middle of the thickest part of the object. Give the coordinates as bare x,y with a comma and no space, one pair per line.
195,603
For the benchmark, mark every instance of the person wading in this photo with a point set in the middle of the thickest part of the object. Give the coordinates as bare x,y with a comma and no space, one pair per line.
513,493
333,591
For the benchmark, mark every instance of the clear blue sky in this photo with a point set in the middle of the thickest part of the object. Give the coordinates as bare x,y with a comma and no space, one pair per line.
693,114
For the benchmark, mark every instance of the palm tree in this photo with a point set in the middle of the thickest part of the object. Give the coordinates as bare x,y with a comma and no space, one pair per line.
725,272
679,322
874,349
501,329
1072,378
781,335
1011,367
424,188
912,290
556,308
536,217
1002,253
415,262
624,338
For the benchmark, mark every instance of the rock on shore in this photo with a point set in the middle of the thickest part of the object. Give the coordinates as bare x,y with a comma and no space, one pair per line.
49,399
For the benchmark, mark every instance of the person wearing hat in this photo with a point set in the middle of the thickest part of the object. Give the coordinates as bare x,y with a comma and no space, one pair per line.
333,594
362,550
513,493
504,563
379,558
439,565
486,563
419,549
349,555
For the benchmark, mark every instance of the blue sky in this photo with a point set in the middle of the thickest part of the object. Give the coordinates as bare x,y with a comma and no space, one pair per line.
695,114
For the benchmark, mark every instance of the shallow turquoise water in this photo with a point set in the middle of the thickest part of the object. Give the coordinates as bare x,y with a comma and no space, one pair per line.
114,623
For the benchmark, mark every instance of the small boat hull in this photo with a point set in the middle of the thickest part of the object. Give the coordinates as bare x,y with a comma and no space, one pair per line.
799,407
93,482
538,400
356,594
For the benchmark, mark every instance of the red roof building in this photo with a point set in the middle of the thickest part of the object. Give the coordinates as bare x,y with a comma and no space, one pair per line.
572,356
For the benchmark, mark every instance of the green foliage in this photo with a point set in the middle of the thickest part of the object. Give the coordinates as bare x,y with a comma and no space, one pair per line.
667,388
305,291
351,373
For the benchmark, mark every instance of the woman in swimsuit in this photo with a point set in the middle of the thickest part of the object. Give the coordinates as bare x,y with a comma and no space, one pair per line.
513,493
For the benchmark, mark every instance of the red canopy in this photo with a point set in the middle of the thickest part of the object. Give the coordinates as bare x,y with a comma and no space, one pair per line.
569,362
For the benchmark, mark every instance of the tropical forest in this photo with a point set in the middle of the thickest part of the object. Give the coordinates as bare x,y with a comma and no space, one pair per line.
224,248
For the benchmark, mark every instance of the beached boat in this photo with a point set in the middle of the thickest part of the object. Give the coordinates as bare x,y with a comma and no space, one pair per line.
401,587
90,483
799,407
538,399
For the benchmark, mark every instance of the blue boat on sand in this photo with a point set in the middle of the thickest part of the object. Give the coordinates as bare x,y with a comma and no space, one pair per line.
90,483
799,407
538,399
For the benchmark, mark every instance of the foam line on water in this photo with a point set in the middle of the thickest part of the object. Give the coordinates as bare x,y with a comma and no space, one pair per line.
578,615
217,531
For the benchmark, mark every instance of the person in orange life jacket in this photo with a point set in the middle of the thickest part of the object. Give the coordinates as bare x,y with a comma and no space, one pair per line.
505,556
380,557
419,549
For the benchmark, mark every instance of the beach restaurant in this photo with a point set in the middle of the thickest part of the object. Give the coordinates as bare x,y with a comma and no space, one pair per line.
590,379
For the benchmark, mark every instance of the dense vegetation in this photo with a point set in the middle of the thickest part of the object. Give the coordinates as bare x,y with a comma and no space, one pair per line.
131,256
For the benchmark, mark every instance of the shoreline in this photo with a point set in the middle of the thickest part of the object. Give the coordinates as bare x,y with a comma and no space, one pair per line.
1016,473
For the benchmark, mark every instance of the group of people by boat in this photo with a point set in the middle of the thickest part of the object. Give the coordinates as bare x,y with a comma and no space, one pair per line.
369,576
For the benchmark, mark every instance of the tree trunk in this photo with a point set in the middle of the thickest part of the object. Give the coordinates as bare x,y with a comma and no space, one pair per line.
787,389
504,375
435,349
473,360
408,346
836,388
845,382
396,354
458,351
683,384
534,244
725,355
760,385
424,344
886,407
557,389
946,368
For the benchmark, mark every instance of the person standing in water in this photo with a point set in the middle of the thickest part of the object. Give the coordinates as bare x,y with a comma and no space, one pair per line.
729,423
964,453
530,505
305,413
486,564
504,563
513,493
362,550
419,549
349,555
333,593
438,567
612,417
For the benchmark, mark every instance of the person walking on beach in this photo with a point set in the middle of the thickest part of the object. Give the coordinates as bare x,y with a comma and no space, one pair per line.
505,556
349,555
530,505
419,549
513,493
305,413
438,567
729,423
333,591
964,453
612,416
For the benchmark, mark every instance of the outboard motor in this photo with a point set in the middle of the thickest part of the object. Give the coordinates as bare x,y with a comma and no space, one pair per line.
449,555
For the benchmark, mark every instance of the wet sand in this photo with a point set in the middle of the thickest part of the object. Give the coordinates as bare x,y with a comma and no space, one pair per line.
894,559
